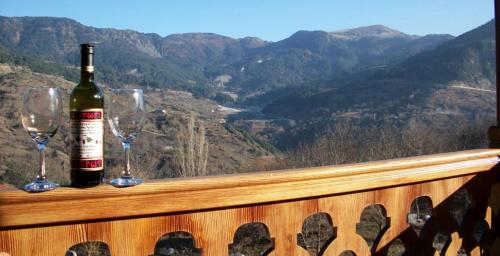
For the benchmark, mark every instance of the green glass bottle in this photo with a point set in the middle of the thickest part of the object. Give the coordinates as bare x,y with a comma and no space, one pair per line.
87,126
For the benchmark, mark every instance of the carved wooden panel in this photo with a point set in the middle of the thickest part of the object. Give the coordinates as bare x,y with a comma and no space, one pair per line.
215,230
447,228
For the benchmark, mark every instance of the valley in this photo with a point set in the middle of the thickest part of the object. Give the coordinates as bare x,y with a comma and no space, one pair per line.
254,105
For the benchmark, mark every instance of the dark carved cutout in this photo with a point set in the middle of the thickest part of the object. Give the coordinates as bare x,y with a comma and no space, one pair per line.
347,253
176,244
462,252
372,225
481,229
397,248
460,204
420,213
483,236
251,239
441,242
90,248
317,233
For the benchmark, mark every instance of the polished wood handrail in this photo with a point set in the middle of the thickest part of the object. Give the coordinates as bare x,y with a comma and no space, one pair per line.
18,208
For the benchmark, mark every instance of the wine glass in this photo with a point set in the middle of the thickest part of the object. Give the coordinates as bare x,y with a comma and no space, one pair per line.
41,116
126,118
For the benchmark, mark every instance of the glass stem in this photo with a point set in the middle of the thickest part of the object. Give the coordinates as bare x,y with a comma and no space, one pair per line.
41,171
126,173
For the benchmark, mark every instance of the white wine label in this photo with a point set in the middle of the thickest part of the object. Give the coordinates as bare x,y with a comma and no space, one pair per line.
87,135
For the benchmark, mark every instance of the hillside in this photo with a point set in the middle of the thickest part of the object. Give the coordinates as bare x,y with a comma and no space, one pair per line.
307,57
469,57
153,154
196,61
434,87
468,60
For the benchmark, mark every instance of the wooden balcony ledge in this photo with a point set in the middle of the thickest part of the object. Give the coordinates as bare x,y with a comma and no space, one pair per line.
219,204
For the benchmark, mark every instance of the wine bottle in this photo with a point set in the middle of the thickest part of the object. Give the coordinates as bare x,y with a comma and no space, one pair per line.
87,126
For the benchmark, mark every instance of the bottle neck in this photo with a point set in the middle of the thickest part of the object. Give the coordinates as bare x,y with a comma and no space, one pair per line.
86,77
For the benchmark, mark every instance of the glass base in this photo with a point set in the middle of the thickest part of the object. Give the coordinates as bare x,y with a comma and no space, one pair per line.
125,181
40,186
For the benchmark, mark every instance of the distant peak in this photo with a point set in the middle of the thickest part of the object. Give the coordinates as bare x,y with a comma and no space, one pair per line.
197,35
252,39
307,35
253,42
376,31
310,32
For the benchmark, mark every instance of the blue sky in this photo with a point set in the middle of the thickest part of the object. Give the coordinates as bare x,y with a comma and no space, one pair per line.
270,20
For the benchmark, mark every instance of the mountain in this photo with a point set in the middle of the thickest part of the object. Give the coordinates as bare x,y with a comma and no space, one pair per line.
434,86
307,57
196,61
123,56
372,45
470,57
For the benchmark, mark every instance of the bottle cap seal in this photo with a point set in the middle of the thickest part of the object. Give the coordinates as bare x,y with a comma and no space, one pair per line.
87,53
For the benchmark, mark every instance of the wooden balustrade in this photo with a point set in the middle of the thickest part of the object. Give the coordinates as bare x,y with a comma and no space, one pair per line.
429,204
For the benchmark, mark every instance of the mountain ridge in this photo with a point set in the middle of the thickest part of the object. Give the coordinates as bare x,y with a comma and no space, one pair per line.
421,85
364,31
193,61
475,46
377,30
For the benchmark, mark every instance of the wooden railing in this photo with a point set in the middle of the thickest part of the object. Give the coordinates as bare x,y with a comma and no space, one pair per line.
212,209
